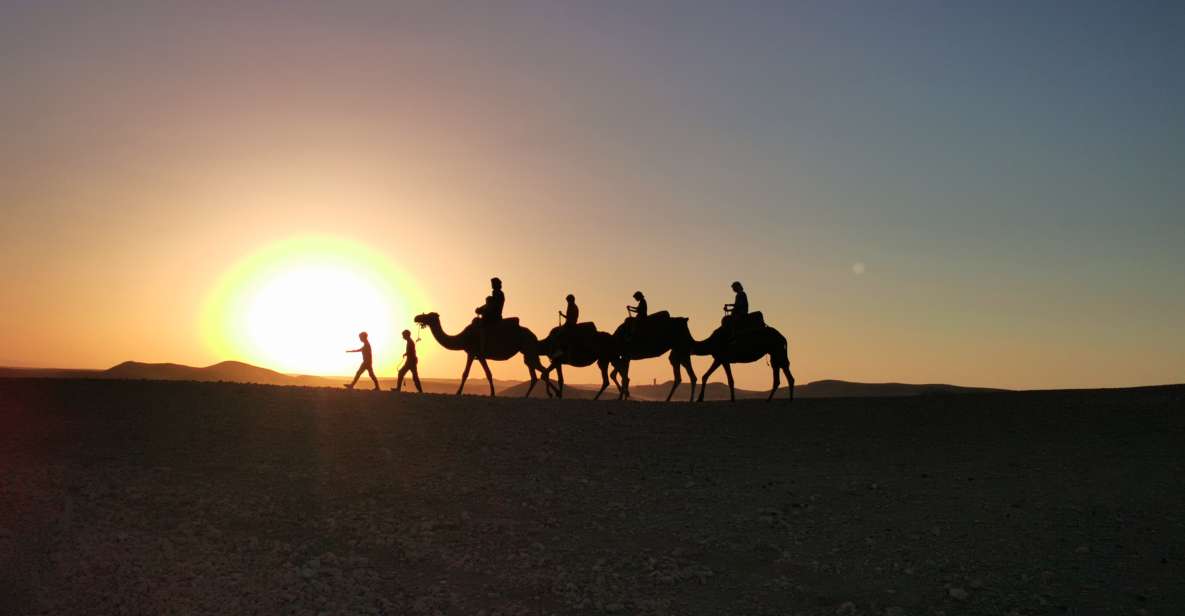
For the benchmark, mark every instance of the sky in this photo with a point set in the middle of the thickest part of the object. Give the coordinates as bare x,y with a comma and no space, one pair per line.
979,193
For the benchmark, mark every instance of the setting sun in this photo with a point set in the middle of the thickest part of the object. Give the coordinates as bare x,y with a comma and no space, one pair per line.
297,305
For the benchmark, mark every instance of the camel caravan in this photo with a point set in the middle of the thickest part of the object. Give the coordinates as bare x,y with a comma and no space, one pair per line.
742,337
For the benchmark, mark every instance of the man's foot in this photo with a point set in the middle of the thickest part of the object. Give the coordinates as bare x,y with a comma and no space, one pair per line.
349,386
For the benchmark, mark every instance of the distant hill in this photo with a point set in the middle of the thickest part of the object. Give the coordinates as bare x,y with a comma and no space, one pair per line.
719,391
223,371
579,391
239,372
848,389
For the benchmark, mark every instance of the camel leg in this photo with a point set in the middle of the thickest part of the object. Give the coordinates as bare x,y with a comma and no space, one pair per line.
703,386
777,383
779,359
465,374
784,364
559,377
549,389
678,378
534,381
490,377
547,381
624,393
604,366
532,368
690,377
732,397
789,379
537,364
545,374
613,376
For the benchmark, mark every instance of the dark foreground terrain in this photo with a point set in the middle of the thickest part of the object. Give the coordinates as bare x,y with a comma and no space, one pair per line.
154,498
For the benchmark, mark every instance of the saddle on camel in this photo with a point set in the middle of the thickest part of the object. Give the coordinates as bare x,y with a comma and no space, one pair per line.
737,317
640,328
743,323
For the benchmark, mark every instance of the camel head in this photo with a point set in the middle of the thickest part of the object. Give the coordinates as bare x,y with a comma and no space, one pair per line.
426,319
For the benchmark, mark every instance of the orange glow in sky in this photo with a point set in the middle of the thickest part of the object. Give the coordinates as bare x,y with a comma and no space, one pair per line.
295,305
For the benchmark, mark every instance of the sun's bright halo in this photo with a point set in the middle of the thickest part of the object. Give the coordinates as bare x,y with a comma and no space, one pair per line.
297,305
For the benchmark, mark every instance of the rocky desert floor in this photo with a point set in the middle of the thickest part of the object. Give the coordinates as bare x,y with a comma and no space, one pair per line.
212,498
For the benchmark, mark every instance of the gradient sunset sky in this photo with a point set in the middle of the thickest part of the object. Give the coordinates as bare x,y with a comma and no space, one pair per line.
988,193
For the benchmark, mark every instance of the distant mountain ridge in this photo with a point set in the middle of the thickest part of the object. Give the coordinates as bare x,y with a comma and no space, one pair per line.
240,372
221,371
831,388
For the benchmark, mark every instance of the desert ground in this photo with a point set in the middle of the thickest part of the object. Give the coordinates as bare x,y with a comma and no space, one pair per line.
139,497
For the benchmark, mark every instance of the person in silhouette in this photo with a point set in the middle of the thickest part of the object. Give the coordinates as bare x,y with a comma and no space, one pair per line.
367,365
638,313
739,307
572,315
410,364
571,318
491,311
738,311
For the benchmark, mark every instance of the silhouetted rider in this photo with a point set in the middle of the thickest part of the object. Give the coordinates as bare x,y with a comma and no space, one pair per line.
737,312
491,311
571,317
638,311
573,312
740,306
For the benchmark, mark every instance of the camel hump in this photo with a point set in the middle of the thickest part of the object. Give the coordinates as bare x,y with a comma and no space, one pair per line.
744,322
588,327
661,314
510,321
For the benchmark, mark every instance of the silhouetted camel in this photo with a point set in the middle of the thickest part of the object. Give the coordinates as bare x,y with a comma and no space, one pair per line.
742,348
581,346
651,337
503,341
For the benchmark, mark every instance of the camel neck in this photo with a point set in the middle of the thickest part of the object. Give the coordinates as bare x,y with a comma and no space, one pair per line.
450,342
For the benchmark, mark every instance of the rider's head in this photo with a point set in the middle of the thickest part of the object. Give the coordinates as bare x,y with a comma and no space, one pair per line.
736,286
571,298
638,295
406,334
496,282
362,336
